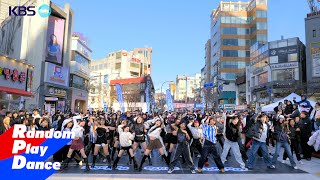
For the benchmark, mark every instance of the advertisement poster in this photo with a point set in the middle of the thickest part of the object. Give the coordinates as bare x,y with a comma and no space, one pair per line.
316,65
56,74
55,34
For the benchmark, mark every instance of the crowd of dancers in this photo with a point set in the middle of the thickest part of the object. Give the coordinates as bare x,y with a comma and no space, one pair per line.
180,136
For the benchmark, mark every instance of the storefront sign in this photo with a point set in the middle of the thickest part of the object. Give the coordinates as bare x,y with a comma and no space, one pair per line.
284,65
56,92
13,74
282,53
56,74
259,71
229,106
240,107
29,80
316,65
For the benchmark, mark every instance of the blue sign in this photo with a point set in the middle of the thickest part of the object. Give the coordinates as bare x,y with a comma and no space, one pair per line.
269,91
203,102
198,106
105,107
220,88
120,96
208,85
148,100
169,100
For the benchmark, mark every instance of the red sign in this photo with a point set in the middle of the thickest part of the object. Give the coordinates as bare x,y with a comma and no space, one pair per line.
135,60
13,74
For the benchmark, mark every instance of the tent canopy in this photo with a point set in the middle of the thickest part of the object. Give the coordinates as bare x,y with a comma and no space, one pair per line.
270,107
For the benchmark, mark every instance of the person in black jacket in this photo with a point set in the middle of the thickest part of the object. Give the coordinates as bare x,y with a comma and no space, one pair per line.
289,108
232,136
295,113
294,139
305,129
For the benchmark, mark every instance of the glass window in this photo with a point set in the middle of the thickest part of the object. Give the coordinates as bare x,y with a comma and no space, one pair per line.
261,25
314,33
134,65
261,14
273,59
81,60
283,75
262,38
293,57
282,43
263,78
292,41
273,45
262,2
228,76
118,66
233,20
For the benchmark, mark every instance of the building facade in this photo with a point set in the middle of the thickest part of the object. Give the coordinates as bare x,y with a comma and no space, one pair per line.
79,73
277,69
117,65
186,88
134,94
312,30
235,27
47,47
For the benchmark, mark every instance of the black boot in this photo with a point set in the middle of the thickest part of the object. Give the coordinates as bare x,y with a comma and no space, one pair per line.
150,162
87,164
135,164
113,152
94,161
109,160
169,155
66,163
115,163
166,159
142,161
130,161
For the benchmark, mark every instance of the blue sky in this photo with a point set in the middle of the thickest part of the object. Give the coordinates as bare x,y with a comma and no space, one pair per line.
177,30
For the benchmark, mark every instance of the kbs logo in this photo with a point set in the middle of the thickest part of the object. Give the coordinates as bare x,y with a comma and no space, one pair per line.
44,11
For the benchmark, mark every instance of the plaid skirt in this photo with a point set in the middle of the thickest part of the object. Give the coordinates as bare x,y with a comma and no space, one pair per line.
77,144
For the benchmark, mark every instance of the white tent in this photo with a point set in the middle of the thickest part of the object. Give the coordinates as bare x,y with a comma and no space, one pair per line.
270,107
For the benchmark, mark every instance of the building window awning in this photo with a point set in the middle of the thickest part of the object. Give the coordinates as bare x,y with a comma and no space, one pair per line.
15,91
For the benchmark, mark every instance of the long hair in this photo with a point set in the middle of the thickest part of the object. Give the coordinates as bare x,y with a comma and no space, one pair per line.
51,40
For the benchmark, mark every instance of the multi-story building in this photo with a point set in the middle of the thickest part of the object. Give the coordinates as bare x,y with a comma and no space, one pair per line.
185,88
79,73
277,69
117,65
133,93
312,30
47,47
235,27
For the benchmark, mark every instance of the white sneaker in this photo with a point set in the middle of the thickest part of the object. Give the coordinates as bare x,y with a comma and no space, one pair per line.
199,156
104,160
243,167
295,167
170,171
301,162
283,161
193,171
80,163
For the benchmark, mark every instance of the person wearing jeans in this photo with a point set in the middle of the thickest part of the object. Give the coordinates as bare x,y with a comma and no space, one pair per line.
283,141
183,148
209,134
260,130
294,139
231,141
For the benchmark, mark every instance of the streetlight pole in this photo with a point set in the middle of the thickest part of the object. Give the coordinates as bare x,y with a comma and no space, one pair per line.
271,83
161,102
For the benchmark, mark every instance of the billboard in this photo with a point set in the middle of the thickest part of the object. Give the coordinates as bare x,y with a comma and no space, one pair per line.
316,65
282,53
56,74
55,35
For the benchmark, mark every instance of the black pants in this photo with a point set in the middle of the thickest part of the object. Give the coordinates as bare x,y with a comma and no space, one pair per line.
220,139
182,149
208,148
294,147
196,145
242,150
89,148
306,149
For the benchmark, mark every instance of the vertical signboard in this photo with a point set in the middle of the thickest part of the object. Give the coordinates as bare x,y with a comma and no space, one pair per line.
148,87
169,100
120,96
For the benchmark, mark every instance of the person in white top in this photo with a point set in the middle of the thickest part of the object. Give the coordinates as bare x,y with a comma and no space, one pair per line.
125,138
154,143
196,131
77,143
